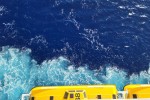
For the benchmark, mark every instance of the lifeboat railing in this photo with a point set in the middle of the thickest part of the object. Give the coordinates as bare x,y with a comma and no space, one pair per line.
122,94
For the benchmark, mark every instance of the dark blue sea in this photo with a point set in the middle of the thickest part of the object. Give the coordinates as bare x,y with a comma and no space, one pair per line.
72,42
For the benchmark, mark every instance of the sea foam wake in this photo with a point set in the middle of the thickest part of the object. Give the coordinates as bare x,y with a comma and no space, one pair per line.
19,73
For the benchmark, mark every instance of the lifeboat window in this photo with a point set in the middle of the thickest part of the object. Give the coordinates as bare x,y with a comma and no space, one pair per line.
114,96
84,95
32,98
51,98
66,95
71,96
98,96
134,96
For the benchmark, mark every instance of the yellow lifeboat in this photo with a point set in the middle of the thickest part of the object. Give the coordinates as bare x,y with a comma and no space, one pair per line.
137,91
83,92
89,92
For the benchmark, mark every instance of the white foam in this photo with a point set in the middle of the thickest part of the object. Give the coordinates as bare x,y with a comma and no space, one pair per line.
144,16
141,6
19,74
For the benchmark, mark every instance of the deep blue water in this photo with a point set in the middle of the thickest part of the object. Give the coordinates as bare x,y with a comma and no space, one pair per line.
97,39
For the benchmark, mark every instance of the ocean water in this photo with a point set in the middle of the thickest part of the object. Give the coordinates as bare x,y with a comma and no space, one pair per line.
72,42
19,73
